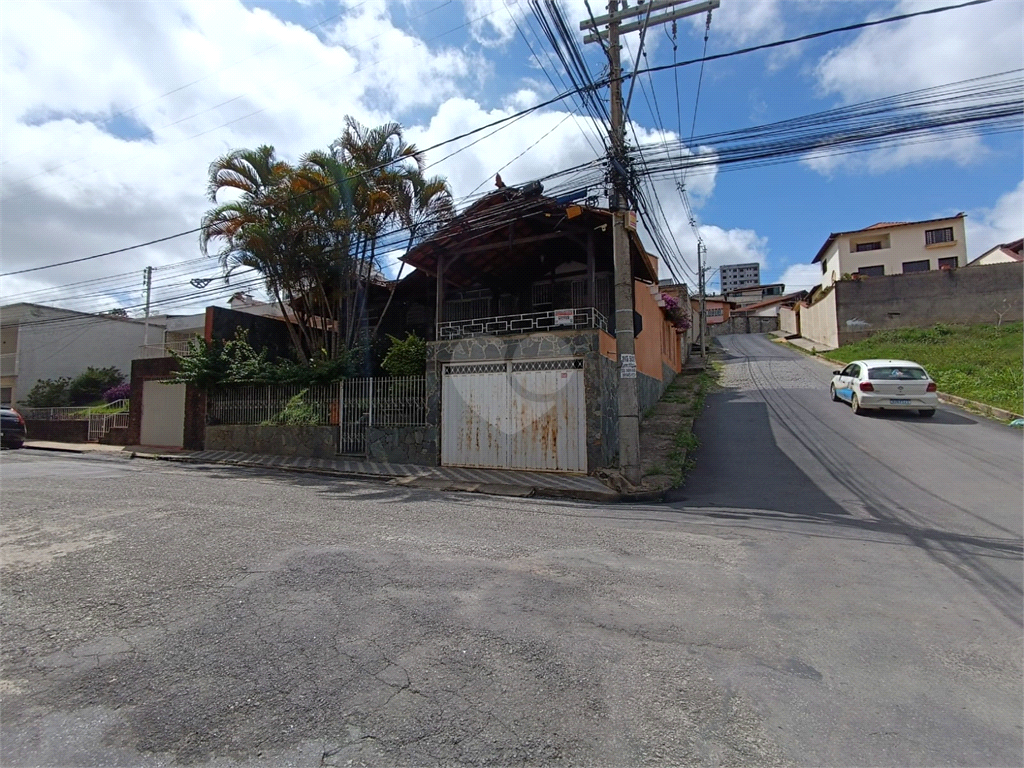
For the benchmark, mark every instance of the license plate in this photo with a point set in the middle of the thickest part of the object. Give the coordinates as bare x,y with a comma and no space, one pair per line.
899,402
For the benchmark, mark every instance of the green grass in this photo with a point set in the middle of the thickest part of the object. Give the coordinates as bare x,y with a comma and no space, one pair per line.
679,461
978,362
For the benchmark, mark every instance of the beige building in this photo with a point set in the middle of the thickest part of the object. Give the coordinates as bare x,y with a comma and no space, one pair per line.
894,248
1002,254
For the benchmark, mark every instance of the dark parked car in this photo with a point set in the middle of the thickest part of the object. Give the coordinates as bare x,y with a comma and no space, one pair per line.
12,427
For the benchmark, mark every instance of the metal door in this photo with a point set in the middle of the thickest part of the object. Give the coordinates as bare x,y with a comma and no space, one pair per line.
525,414
163,414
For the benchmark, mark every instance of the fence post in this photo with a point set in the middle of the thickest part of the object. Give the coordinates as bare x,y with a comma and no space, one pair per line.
371,402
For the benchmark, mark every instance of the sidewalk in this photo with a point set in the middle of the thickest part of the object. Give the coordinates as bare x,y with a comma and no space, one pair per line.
498,482
52,445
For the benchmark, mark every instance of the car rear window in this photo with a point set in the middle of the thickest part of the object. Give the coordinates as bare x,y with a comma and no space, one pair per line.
896,373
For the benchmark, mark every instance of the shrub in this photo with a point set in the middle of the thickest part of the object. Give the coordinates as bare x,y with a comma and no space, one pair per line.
49,393
406,357
296,412
89,386
120,392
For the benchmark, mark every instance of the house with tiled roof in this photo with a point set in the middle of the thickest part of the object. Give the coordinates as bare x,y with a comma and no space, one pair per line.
893,248
1003,253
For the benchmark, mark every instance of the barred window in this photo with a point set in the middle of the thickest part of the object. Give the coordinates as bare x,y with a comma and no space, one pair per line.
934,236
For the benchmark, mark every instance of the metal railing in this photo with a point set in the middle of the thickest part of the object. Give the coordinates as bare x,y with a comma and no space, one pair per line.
72,413
163,350
552,320
101,423
379,402
266,403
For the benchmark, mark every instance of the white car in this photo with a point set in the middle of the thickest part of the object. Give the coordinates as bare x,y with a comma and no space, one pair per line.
898,385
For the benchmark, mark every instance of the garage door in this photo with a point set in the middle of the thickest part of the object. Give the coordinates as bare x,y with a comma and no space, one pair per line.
522,414
163,414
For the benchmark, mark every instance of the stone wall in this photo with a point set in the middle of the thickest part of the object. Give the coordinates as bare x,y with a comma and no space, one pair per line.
745,324
318,442
608,373
403,445
58,431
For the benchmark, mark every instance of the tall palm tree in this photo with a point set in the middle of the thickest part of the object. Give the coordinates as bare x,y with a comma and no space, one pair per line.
423,206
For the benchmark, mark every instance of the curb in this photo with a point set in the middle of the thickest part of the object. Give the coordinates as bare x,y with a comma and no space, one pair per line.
982,408
57,450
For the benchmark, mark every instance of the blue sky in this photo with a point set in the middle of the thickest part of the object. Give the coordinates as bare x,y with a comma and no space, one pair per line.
108,133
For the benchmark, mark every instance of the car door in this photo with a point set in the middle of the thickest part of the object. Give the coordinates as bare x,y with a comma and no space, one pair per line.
848,381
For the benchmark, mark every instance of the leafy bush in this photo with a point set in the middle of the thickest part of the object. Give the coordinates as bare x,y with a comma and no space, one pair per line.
406,357
89,386
49,393
209,365
296,412
120,392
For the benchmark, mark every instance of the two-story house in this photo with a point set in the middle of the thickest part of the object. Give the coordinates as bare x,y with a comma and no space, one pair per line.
894,248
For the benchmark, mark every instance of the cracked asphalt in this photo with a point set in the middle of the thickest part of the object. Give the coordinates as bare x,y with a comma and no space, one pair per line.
772,614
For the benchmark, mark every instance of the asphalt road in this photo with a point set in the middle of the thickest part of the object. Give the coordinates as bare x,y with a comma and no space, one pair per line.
807,599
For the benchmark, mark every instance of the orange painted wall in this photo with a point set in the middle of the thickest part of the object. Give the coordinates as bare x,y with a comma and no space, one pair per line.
658,342
608,344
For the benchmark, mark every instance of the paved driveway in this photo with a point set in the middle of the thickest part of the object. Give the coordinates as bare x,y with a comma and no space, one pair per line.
781,613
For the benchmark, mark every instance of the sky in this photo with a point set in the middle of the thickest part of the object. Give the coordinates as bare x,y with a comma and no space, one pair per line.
111,113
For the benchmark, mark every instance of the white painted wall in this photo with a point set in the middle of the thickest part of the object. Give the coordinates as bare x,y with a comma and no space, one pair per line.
818,322
54,342
899,244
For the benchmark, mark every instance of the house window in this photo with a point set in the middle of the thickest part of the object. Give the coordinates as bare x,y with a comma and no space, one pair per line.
824,267
949,263
5,395
875,271
875,245
916,266
935,236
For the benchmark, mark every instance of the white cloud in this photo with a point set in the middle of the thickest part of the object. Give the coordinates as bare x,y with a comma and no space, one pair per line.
1002,223
800,277
918,53
962,150
744,22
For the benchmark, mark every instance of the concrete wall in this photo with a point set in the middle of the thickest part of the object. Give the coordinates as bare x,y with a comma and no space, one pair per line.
818,322
318,442
60,431
52,342
789,320
263,332
962,296
745,324
899,244
403,445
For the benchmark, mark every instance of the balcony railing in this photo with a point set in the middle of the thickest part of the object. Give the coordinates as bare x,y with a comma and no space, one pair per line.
9,364
531,322
163,350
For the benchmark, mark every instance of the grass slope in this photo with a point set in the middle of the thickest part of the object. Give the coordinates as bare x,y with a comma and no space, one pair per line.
979,362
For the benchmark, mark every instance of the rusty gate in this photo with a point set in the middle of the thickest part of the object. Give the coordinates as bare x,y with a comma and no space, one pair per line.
516,414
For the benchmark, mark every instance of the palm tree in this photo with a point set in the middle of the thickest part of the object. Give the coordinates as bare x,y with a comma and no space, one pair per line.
424,205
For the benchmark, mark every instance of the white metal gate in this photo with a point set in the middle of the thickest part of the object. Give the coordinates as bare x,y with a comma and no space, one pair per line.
521,414
163,414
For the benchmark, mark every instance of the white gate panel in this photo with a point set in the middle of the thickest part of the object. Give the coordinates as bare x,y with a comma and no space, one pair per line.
163,414
474,407
547,406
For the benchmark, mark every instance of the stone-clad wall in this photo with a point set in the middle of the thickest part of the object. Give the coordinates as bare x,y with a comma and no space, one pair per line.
277,440
609,374
403,445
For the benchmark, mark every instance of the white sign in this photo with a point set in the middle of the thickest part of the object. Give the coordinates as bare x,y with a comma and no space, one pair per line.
627,366
564,316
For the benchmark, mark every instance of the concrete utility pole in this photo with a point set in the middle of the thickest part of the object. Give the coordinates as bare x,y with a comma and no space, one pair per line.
701,269
629,417
148,279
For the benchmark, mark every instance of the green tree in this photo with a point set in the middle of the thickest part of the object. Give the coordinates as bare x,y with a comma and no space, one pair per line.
89,386
49,393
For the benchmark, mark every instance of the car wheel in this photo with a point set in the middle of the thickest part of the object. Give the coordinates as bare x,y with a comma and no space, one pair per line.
927,412
832,392
855,406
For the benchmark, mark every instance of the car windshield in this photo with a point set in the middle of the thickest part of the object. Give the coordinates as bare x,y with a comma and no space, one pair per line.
897,373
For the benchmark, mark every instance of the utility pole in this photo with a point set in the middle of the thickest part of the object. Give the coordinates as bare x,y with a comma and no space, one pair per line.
629,417
148,280
702,252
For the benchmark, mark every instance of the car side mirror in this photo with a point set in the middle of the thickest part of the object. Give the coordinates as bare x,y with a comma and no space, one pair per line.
837,373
